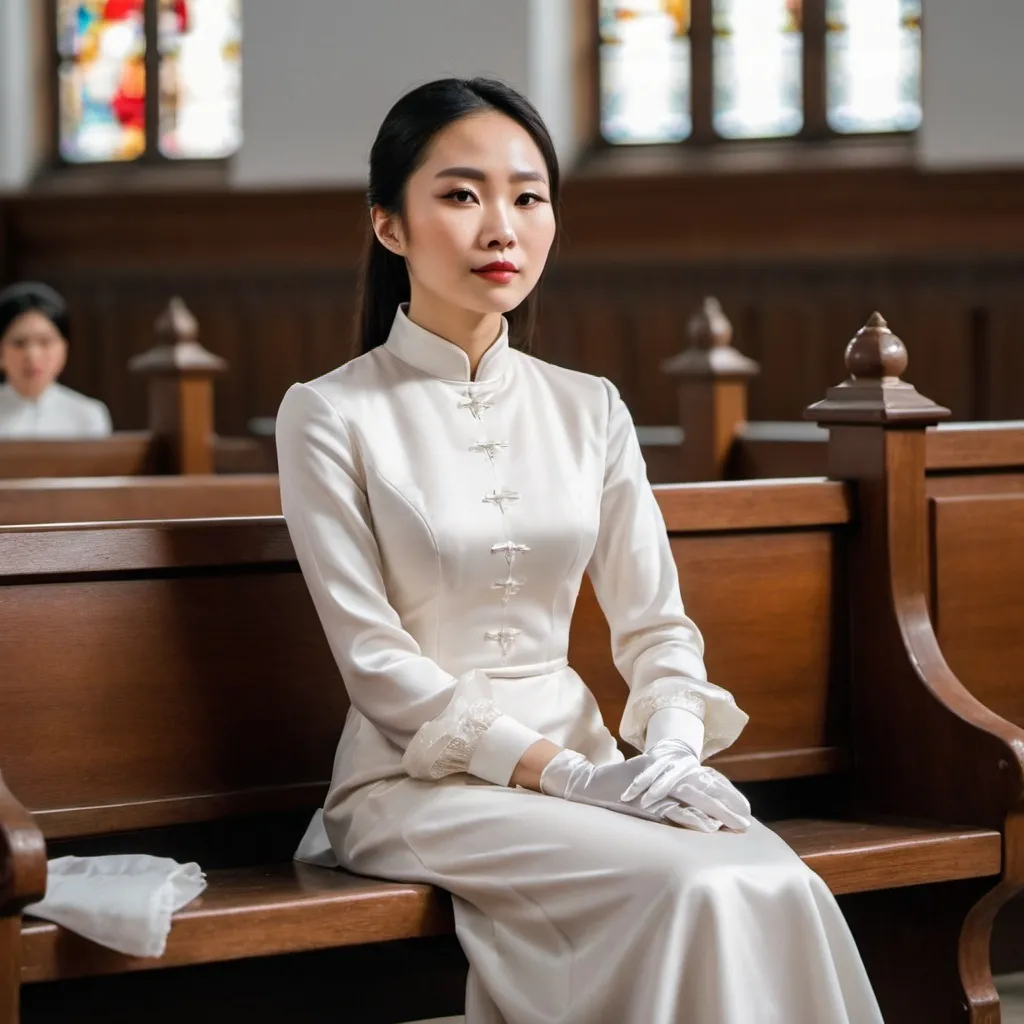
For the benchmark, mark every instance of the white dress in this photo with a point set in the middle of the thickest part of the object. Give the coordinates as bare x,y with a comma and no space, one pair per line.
57,414
443,526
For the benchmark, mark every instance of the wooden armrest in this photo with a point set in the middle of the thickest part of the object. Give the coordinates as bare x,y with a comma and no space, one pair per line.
22,856
1000,776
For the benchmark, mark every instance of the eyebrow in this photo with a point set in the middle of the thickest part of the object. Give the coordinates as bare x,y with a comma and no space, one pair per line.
477,175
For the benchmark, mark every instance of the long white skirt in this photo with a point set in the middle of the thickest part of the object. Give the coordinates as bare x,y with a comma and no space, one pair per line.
570,914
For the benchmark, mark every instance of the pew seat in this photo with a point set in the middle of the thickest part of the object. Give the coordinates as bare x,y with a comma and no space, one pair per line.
287,907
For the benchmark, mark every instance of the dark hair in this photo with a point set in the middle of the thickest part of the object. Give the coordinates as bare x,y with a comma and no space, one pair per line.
399,149
32,295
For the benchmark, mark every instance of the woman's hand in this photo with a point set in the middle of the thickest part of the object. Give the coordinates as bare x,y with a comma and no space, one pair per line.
571,776
674,772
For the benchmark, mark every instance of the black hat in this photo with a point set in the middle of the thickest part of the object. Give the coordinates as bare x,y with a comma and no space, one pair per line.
32,295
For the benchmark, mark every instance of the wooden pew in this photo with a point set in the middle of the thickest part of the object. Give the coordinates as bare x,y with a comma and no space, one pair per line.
180,439
715,441
976,524
197,707
113,498
975,488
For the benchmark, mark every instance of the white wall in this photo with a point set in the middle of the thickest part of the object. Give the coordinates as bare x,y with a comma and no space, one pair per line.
551,80
319,75
973,102
16,105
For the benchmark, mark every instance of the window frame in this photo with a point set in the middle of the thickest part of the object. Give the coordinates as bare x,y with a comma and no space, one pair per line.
703,136
151,162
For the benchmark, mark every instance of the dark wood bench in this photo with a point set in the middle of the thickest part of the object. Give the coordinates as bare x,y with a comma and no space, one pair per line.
167,688
108,499
976,521
714,440
180,437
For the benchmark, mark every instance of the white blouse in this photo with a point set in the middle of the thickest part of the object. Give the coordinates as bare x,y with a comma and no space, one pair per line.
58,413
443,526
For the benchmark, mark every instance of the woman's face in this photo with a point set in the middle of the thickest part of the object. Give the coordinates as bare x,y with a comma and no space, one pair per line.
480,199
32,353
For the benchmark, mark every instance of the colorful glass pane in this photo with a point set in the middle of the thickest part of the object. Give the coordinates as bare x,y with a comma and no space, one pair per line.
874,65
200,77
102,79
758,68
645,71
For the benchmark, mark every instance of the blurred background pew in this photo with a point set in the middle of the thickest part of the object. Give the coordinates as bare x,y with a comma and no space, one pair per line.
179,437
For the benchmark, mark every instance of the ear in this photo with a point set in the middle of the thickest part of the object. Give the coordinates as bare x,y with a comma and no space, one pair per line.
388,229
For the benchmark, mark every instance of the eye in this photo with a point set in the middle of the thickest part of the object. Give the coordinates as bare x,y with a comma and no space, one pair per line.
461,196
529,199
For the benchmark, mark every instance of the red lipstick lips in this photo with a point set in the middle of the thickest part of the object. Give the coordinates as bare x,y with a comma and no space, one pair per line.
500,272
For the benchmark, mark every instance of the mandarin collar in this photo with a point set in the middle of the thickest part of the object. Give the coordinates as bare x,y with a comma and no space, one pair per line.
443,359
9,394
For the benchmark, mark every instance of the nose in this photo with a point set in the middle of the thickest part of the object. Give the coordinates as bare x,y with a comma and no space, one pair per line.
499,233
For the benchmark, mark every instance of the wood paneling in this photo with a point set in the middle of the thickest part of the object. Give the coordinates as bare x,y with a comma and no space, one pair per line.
799,258
185,631
780,660
978,574
126,453
105,499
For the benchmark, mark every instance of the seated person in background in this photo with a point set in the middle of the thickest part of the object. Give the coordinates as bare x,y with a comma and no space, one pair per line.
33,352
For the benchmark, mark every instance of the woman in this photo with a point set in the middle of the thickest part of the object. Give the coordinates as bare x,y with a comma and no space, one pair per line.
33,353
445,493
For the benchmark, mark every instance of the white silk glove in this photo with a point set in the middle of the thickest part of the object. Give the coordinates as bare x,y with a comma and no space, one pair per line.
570,776
675,772
675,738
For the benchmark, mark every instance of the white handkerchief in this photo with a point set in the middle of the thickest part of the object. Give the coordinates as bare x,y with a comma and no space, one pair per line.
314,847
123,901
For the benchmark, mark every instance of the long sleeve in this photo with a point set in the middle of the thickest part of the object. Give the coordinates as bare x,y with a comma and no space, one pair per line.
656,647
442,723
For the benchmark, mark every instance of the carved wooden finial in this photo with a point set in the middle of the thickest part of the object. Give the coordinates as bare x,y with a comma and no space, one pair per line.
710,353
177,350
709,327
874,392
875,353
176,323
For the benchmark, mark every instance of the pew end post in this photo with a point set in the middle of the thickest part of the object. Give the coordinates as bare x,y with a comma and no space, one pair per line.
180,373
935,751
713,379
22,881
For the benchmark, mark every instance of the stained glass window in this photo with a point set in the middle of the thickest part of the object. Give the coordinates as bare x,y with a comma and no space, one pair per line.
873,49
758,68
105,72
699,70
645,70
200,77
102,79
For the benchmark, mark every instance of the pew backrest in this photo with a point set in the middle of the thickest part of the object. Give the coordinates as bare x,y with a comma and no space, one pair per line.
109,499
977,592
124,453
758,567
163,673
